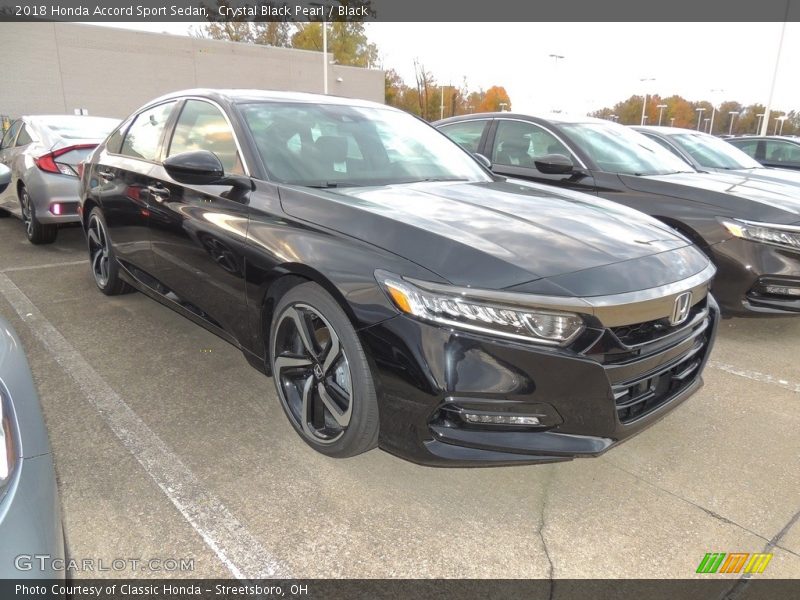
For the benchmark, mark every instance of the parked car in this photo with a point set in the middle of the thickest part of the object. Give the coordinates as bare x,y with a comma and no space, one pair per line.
780,152
44,153
710,154
30,514
397,291
750,229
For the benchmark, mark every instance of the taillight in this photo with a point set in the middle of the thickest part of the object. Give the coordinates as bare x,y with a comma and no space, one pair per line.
79,168
47,162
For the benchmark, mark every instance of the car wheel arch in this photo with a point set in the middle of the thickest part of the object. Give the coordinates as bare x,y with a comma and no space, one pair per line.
687,231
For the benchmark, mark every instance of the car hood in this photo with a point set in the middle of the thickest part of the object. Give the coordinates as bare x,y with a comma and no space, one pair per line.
781,176
736,194
489,235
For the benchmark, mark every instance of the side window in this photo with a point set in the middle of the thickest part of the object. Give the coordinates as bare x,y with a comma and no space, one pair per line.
202,126
8,138
114,142
143,136
777,151
518,144
466,134
24,138
749,147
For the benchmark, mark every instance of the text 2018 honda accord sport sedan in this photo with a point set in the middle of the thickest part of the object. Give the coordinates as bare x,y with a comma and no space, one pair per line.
399,294
750,228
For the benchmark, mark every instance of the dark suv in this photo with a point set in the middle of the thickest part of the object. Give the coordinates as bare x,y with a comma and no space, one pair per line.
399,294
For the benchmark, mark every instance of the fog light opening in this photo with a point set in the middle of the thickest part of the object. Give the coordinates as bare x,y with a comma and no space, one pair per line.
501,419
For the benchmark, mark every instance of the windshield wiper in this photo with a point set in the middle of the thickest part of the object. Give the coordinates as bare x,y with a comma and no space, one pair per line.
329,184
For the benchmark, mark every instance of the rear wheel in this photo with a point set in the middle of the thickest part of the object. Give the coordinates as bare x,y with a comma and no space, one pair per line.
105,268
321,373
36,232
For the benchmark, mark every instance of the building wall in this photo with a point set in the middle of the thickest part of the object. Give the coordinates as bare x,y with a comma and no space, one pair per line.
58,67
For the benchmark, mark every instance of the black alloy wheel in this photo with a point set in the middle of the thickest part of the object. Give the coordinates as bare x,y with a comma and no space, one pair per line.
321,373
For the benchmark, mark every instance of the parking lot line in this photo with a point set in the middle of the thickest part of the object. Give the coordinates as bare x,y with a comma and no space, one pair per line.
756,376
233,544
45,266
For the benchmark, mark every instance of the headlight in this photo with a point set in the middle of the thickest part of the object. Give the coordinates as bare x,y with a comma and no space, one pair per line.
782,235
7,445
453,309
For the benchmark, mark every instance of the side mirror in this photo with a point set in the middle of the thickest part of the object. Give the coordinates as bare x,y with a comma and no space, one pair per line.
199,167
483,160
5,177
554,164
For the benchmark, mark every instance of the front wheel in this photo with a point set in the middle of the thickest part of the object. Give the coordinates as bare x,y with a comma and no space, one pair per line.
321,373
105,268
36,232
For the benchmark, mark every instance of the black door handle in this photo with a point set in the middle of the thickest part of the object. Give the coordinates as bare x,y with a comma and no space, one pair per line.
107,175
159,192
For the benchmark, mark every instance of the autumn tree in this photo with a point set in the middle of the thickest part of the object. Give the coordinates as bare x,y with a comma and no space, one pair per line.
272,33
347,41
495,99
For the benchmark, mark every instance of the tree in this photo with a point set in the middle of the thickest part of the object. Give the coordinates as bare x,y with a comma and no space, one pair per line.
273,33
347,41
493,99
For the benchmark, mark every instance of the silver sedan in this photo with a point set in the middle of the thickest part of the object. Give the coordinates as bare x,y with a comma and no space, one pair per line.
43,153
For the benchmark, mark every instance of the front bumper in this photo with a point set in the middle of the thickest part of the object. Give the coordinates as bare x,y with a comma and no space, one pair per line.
744,268
30,522
590,396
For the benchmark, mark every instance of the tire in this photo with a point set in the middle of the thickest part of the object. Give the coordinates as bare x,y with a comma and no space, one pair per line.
327,391
36,232
102,262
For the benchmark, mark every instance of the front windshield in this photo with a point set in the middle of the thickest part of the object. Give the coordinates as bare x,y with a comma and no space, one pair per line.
619,149
328,145
712,152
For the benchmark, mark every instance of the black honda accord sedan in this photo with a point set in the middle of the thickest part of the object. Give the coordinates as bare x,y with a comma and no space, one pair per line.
399,294
749,227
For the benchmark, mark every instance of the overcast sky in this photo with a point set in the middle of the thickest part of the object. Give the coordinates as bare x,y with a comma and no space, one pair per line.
603,62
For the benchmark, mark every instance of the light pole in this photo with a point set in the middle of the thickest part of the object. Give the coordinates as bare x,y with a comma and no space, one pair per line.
765,125
714,92
699,116
645,120
660,108
780,119
705,124
614,118
503,106
644,104
672,121
758,127
733,114
556,58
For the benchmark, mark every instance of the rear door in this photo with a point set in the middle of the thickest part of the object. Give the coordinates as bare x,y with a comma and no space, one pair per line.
198,232
515,146
120,182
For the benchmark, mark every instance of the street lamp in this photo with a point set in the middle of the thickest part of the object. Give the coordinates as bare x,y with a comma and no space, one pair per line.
713,107
645,120
699,116
782,118
660,108
503,106
672,121
644,104
705,124
733,114
441,93
614,118
556,58
758,127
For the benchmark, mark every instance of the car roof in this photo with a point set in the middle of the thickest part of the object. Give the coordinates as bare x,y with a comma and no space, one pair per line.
235,96
667,130
551,117
782,138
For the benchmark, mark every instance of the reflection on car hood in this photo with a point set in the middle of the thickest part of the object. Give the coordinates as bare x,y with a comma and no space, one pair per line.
736,193
488,235
780,176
